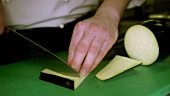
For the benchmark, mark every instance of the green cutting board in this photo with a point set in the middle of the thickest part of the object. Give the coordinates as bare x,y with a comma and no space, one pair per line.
22,79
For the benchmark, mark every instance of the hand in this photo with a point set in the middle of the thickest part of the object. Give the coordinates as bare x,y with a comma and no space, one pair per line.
91,40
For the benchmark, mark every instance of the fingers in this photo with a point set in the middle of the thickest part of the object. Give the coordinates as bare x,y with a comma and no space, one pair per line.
89,44
103,51
80,54
91,56
76,37
85,48
81,50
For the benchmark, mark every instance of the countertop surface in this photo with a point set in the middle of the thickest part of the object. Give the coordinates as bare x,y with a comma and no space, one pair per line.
22,79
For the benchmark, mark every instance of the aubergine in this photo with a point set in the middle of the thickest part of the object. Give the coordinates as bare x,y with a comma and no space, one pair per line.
143,43
157,27
161,31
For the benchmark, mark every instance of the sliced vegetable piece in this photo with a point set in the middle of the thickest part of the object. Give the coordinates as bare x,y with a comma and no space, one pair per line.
66,81
116,66
141,44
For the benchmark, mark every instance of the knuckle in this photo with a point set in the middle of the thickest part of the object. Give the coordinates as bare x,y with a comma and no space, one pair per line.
79,25
82,47
97,30
87,65
93,28
93,49
71,48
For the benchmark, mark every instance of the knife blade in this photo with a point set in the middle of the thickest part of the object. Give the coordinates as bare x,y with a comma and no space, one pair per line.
46,58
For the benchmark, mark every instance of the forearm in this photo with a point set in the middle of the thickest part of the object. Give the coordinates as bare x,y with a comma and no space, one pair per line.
113,8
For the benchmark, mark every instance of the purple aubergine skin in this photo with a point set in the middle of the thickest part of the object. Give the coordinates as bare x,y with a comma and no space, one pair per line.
159,29
161,32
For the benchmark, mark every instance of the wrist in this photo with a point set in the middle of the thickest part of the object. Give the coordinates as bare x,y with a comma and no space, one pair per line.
113,9
109,14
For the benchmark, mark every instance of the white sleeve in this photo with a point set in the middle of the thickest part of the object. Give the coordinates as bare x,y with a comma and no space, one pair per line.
135,3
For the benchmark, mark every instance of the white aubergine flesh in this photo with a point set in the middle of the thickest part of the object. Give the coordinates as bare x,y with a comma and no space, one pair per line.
141,44
116,66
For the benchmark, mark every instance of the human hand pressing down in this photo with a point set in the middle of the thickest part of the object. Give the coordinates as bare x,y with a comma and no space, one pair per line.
91,40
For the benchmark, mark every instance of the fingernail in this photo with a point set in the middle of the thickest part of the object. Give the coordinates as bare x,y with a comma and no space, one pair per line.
83,72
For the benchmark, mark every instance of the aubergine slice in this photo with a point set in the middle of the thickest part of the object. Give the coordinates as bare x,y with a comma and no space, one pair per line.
117,65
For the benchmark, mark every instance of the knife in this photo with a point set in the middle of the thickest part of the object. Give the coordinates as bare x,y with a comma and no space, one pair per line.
46,58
